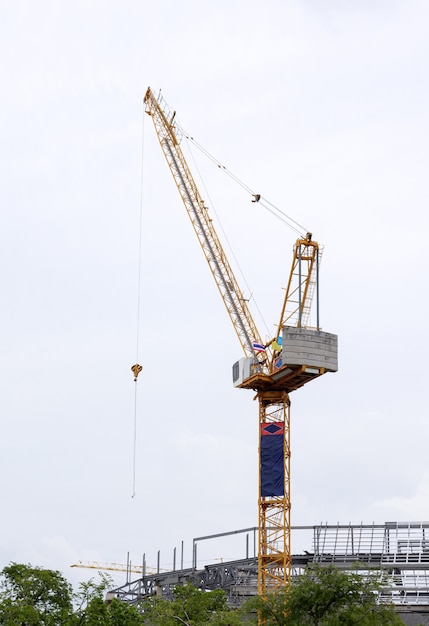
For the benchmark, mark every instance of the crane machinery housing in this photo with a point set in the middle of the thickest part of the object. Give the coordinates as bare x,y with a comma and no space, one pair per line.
295,355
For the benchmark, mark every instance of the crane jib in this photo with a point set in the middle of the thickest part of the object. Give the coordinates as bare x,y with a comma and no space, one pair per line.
195,207
224,277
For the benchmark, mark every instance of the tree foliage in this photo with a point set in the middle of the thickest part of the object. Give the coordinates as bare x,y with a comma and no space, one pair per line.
322,596
190,607
33,596
93,610
327,596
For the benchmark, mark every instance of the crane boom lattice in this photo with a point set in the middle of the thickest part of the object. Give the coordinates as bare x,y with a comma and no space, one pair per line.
169,136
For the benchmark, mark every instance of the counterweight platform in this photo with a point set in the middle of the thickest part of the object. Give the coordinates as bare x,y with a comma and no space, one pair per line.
306,355
287,379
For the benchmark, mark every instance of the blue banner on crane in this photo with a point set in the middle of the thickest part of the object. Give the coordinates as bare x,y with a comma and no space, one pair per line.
272,459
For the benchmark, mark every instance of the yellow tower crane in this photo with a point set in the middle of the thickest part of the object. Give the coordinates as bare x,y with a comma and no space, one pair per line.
129,569
293,357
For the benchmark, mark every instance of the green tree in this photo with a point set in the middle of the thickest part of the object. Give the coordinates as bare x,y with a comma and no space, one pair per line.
190,607
327,596
93,610
34,596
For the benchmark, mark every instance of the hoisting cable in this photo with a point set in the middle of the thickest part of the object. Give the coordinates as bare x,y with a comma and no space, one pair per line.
281,215
137,368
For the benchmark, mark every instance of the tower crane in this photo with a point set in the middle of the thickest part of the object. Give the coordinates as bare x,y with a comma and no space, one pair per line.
294,356
142,570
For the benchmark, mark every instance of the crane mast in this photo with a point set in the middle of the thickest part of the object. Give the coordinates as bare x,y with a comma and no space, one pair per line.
296,354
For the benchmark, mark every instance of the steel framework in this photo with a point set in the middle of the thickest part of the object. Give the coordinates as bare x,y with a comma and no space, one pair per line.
399,550
275,558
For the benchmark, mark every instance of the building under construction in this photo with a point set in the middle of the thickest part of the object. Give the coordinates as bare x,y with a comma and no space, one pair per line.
398,550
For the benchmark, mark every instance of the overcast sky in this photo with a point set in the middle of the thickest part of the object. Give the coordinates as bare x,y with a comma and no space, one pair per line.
320,106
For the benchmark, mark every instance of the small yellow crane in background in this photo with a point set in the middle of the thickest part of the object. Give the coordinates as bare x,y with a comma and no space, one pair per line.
141,570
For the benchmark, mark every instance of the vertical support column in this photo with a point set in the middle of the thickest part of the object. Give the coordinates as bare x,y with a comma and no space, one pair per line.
274,550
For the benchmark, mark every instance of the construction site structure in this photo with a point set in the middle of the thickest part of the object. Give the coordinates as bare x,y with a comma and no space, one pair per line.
295,355
398,551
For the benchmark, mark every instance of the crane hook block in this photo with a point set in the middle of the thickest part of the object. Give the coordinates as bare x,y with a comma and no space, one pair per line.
136,369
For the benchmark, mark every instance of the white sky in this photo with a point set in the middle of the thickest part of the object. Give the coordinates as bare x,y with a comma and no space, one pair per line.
320,106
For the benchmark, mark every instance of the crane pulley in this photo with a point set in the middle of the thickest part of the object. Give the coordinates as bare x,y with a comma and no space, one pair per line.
295,355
